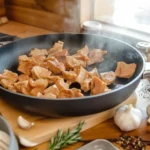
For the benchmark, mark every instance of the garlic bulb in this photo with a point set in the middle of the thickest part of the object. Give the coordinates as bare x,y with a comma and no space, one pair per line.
148,110
128,118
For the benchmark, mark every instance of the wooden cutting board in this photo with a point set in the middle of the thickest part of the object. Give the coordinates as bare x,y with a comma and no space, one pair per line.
45,128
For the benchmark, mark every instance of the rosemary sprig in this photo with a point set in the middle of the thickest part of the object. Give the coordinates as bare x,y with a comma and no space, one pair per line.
63,139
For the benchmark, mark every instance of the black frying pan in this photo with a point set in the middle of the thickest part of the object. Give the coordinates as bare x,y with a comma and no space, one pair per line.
117,51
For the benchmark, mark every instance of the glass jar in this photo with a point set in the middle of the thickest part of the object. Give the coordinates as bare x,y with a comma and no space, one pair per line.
144,48
91,27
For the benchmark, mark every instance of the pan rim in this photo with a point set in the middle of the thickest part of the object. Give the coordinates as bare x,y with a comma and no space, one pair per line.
85,97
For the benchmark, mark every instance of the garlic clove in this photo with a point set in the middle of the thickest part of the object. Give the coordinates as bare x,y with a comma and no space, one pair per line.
148,110
26,142
23,123
4,137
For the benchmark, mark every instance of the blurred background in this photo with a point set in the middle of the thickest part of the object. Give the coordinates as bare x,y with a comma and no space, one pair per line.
127,20
57,15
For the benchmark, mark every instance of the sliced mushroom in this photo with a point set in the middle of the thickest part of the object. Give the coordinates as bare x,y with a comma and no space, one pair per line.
3,146
26,142
23,123
4,138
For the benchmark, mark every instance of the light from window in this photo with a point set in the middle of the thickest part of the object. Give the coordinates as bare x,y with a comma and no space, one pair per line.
132,13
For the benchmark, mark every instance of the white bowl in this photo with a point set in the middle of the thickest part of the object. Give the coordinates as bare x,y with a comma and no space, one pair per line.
4,126
99,144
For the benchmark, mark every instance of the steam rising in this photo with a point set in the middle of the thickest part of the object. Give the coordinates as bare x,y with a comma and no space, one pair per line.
70,11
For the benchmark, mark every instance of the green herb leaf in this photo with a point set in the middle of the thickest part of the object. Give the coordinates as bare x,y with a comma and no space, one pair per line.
63,139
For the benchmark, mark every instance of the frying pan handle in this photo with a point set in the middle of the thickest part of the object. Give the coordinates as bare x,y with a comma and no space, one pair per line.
146,73
144,48
7,39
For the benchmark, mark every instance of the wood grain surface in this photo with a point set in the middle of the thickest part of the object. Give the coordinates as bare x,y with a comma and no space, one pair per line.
24,3
22,30
1,3
2,11
54,15
45,127
37,18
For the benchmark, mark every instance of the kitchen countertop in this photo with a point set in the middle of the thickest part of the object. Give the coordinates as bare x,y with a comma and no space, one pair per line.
22,30
105,130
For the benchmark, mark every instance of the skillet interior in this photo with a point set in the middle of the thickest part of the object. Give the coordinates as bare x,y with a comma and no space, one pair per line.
117,51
